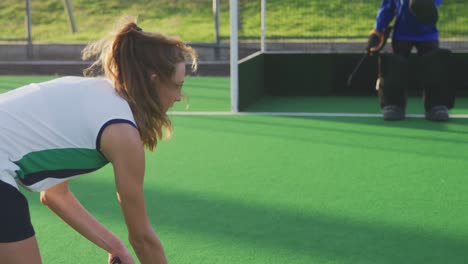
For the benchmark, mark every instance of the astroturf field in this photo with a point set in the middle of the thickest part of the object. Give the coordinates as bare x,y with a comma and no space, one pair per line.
263,189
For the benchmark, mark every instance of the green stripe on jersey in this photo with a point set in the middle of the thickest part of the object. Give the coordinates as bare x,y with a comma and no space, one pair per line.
60,159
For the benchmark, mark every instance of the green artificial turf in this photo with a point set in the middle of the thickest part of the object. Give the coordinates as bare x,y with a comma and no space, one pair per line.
200,94
205,94
8,82
303,190
263,189
213,94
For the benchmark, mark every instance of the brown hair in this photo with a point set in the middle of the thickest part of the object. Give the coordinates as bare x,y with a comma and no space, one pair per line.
128,58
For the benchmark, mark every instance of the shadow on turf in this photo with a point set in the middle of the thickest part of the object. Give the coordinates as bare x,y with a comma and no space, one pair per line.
304,234
409,122
312,235
319,132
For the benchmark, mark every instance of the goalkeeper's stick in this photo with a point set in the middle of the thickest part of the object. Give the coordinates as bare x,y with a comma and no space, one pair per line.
387,33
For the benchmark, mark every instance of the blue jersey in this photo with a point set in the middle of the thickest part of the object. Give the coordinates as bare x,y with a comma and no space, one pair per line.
406,27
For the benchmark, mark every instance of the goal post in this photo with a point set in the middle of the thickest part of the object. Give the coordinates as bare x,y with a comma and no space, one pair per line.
234,55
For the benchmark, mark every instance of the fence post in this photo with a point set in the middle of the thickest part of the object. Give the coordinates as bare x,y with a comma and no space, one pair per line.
29,47
71,17
216,24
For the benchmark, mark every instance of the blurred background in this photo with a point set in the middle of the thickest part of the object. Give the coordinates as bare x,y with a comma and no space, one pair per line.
308,174
293,25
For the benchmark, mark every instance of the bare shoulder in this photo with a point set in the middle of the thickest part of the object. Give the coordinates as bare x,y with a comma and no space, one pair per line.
120,139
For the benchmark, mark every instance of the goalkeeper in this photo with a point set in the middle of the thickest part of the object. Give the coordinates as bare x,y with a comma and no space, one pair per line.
415,26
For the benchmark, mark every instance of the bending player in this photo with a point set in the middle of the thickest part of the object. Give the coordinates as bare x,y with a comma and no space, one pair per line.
52,131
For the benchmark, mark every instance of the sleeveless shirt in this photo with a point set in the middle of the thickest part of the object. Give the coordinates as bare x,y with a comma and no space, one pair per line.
50,131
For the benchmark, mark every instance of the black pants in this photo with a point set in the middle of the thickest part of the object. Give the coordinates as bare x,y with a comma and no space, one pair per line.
430,74
404,47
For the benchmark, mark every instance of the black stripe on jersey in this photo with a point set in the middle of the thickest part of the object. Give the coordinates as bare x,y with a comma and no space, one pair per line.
30,179
108,123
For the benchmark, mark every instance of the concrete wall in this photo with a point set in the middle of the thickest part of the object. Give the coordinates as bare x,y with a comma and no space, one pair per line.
65,59
206,51
75,68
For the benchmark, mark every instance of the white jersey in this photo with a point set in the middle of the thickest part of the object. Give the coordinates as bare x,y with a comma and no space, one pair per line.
50,131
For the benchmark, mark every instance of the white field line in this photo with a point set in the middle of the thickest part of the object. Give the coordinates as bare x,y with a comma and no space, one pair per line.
306,114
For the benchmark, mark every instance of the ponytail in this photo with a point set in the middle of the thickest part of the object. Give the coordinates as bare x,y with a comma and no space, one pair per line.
128,58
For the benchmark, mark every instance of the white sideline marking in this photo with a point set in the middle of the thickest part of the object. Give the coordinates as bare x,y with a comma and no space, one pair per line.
311,114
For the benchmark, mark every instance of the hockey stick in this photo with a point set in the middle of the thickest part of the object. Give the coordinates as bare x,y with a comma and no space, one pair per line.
387,33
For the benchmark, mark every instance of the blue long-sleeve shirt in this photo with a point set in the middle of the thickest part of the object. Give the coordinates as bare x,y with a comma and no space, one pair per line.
406,27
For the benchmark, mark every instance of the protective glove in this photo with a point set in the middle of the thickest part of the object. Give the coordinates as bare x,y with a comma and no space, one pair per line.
376,41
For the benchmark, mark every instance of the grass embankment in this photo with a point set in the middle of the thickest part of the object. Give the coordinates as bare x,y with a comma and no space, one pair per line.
193,20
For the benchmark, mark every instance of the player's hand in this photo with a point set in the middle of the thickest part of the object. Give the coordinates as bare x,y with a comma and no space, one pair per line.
376,41
121,258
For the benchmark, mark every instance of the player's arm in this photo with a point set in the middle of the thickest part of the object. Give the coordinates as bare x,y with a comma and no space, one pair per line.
63,203
387,11
377,36
122,146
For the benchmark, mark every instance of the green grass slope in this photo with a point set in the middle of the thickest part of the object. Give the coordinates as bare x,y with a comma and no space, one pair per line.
193,20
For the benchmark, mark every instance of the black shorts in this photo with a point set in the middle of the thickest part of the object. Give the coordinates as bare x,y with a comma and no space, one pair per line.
15,220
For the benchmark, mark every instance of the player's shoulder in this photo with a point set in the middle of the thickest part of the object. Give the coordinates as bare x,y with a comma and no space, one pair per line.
120,138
